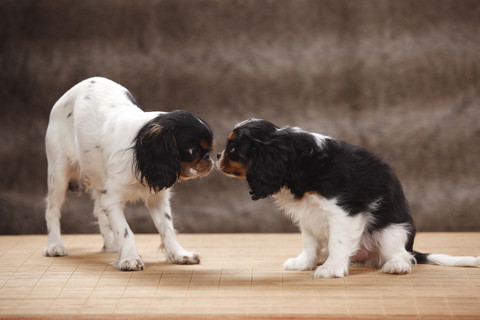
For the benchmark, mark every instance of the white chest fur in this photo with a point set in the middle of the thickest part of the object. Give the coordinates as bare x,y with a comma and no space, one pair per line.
309,213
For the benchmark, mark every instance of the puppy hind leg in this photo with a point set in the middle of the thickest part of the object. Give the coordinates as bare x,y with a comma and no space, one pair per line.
391,242
57,188
159,207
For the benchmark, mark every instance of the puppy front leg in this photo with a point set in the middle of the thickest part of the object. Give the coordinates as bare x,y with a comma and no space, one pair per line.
110,243
129,259
109,240
307,259
159,207
345,233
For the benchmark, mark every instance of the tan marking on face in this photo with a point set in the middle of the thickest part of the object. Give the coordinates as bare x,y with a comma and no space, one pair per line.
204,144
231,136
232,168
196,169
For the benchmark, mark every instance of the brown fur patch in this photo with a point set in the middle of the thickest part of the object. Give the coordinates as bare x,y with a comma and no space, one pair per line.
233,168
204,144
201,167
231,136
154,129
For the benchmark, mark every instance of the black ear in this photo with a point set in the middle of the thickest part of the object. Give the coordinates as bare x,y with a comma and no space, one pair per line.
156,157
267,170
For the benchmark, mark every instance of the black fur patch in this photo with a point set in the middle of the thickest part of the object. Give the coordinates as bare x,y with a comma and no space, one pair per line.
163,142
74,186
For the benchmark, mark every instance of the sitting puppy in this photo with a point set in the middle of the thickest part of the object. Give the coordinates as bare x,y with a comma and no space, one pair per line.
98,136
348,203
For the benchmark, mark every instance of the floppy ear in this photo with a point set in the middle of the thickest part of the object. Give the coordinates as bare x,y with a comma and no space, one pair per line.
156,157
266,171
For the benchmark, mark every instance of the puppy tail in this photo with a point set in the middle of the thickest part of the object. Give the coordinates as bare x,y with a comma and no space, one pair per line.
446,260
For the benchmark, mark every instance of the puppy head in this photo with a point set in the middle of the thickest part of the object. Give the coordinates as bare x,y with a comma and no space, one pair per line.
172,146
256,150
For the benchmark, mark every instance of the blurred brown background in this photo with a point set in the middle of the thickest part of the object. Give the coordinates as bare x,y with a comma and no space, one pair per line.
401,78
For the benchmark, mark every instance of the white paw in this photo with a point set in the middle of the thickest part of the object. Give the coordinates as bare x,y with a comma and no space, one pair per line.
477,262
330,271
183,257
397,266
298,264
131,265
55,250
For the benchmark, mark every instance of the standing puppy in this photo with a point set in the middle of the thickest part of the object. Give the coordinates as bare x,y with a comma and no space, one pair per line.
97,136
347,202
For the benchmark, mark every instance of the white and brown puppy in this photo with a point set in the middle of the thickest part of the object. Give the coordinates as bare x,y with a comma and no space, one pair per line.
99,137
348,202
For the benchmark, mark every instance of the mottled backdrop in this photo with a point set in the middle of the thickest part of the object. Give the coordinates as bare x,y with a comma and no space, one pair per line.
401,78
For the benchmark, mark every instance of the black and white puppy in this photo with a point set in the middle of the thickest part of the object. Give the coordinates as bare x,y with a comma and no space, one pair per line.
348,202
99,137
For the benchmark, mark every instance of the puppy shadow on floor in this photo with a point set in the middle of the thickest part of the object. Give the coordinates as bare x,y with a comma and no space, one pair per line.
78,256
159,273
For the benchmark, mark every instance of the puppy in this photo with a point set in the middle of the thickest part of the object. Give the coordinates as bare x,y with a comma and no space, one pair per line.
99,137
348,203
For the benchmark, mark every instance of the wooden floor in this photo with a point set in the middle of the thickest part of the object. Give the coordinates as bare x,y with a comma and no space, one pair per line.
239,276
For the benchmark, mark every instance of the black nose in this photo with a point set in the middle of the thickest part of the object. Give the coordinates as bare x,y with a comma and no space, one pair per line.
219,155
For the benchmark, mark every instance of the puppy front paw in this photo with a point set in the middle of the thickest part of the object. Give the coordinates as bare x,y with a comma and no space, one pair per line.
184,257
55,250
298,264
330,271
131,265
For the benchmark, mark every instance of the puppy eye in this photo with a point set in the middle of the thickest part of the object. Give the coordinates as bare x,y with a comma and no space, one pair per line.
191,151
232,150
